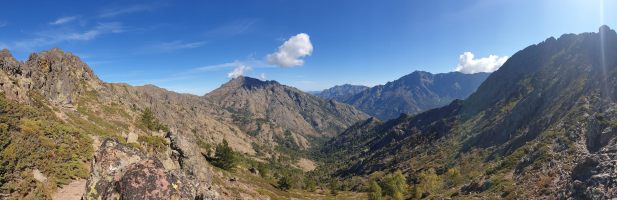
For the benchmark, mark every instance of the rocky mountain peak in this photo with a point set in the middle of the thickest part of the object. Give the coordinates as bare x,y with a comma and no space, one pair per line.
56,61
415,92
57,75
7,61
606,29
286,109
5,53
248,83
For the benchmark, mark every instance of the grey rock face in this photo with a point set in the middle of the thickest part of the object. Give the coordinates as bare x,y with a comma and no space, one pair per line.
119,171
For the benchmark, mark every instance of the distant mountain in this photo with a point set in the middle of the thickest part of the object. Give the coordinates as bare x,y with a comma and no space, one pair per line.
414,93
341,93
268,105
542,126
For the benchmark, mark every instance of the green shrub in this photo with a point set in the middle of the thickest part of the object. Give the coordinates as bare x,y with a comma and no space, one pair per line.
224,157
310,184
334,187
32,138
428,181
284,183
395,185
374,191
151,122
153,143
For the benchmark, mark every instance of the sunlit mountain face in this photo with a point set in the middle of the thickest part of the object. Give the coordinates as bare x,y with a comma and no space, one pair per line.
308,100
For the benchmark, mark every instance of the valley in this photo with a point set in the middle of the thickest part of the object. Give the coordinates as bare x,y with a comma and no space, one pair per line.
541,126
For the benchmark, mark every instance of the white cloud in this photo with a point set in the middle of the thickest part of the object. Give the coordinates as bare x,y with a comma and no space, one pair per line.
112,12
102,28
55,36
262,76
216,67
468,64
233,28
63,20
290,54
174,45
238,71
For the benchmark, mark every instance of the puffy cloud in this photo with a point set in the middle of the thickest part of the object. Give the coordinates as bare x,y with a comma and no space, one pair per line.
238,71
290,54
468,64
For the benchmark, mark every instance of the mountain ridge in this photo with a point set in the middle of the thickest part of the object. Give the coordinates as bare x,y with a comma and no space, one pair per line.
540,126
181,130
415,92
283,106
341,93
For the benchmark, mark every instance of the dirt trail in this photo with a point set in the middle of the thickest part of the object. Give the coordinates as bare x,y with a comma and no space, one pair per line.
72,191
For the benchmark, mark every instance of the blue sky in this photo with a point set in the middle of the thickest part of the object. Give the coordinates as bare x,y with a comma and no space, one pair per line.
193,46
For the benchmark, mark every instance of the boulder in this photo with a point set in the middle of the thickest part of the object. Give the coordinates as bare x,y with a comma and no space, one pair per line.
121,172
40,177
132,137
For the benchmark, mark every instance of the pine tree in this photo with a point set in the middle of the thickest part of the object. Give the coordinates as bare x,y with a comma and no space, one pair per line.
153,124
224,157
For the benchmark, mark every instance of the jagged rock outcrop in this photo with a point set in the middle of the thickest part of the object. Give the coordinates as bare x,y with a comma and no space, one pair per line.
57,75
121,172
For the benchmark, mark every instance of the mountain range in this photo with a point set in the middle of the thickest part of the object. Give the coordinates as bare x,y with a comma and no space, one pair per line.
258,119
543,126
341,92
410,94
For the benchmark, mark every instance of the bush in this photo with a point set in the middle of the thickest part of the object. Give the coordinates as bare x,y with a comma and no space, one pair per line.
453,177
155,143
374,191
334,187
284,183
428,182
263,169
310,184
395,185
32,138
224,157
151,122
